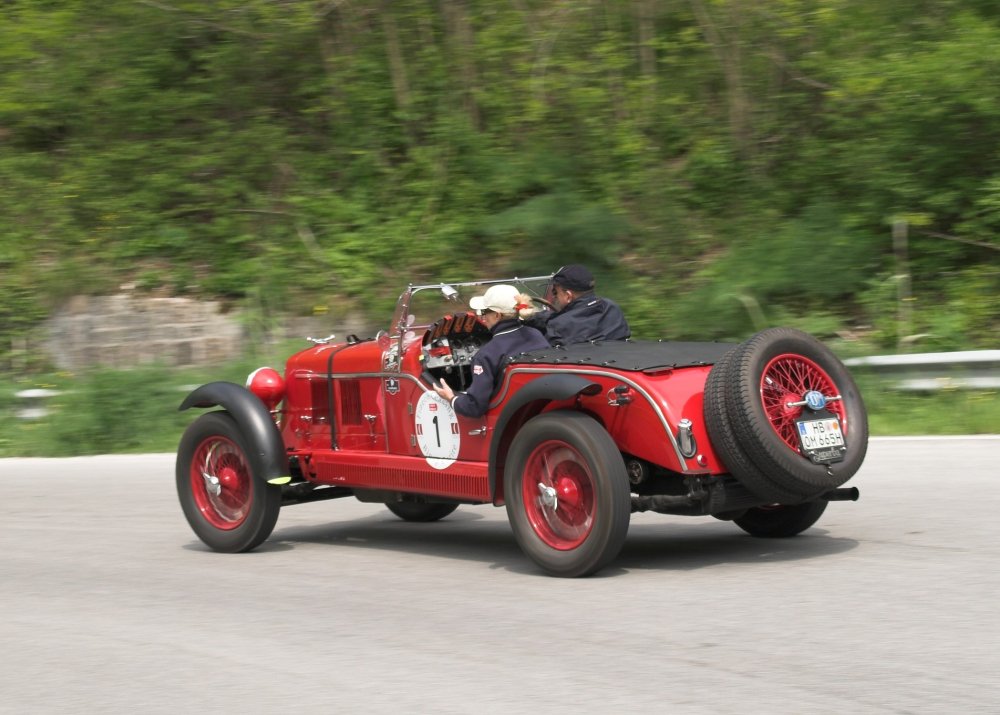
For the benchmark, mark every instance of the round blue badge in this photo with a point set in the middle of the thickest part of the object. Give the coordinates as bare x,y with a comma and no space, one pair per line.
815,400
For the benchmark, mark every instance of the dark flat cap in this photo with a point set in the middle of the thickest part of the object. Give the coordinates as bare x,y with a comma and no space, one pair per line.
574,277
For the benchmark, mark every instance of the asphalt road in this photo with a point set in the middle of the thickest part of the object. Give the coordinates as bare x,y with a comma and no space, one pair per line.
888,605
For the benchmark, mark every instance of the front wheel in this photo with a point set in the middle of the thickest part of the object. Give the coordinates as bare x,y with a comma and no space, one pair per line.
567,493
229,506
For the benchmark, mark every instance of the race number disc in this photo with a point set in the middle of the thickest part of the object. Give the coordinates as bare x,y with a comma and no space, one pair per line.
437,430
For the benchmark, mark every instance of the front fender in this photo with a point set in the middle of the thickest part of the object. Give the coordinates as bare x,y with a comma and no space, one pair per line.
262,435
545,389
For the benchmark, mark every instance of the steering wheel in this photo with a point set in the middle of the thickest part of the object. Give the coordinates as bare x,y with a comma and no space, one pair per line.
542,303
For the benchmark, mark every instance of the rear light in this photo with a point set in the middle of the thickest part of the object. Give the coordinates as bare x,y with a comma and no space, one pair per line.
685,438
268,385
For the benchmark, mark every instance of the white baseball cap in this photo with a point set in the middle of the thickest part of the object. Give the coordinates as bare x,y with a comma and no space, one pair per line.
499,298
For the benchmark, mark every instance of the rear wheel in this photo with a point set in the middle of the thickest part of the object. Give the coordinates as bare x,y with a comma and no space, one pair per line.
567,493
228,505
781,521
417,511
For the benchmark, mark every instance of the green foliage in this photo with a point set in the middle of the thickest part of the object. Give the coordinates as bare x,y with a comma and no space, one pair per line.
99,414
106,411
722,165
550,230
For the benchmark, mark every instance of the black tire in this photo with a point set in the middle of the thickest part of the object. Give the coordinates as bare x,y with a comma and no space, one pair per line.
238,510
417,511
725,443
769,369
572,518
781,521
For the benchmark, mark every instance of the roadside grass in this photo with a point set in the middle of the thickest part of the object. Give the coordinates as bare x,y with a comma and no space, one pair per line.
106,411
135,411
947,412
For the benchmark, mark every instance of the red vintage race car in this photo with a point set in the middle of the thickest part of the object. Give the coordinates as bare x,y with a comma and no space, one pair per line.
762,433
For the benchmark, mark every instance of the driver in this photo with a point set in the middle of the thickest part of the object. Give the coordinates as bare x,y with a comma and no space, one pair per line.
501,309
581,316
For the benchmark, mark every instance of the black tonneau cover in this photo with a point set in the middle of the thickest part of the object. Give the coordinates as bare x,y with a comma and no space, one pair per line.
633,355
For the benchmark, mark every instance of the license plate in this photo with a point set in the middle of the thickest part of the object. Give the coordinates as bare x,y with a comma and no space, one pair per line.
822,440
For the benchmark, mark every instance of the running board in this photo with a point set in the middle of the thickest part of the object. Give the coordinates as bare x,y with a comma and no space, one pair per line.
306,492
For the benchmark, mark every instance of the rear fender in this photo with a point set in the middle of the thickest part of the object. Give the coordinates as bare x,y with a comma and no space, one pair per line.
525,404
255,422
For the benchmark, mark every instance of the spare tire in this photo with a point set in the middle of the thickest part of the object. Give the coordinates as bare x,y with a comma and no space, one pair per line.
728,448
766,376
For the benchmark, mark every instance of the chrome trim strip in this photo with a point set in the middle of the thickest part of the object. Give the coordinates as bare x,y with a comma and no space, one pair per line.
600,373
352,375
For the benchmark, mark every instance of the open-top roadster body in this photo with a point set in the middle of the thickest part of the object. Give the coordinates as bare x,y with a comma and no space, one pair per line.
763,433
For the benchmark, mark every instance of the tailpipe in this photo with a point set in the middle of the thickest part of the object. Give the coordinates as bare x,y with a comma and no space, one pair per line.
842,494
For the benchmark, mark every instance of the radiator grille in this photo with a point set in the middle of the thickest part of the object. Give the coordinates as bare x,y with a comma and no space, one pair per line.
350,402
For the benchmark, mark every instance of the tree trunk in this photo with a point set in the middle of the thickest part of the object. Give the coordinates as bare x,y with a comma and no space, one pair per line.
463,51
644,22
397,65
727,51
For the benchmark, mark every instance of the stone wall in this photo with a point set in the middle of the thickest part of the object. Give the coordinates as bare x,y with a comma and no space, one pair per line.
127,329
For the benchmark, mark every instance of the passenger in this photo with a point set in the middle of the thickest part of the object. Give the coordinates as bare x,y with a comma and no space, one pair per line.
580,315
501,308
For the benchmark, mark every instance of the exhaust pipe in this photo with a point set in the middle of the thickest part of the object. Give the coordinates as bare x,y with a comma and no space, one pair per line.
662,503
842,494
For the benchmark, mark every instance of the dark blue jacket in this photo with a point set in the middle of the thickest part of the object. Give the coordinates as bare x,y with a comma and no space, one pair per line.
510,337
587,318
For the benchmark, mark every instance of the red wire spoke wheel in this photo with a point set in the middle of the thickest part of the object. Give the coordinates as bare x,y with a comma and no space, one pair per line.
784,381
754,400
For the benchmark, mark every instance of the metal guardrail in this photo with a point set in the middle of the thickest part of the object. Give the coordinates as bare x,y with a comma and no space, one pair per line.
32,402
929,372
